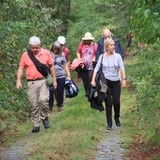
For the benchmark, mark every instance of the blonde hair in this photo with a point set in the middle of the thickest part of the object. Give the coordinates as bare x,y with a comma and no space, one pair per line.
107,42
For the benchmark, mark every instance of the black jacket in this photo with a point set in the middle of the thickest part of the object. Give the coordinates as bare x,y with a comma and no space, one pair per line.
94,100
99,93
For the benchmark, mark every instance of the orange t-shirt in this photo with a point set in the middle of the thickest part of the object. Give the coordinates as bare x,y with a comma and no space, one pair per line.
31,71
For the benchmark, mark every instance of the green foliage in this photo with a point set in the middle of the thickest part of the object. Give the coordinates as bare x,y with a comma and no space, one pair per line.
144,19
145,73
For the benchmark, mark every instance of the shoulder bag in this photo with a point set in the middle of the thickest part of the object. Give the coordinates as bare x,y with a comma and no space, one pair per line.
42,68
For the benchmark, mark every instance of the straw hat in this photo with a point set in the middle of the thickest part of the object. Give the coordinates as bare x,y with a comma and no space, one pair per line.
88,36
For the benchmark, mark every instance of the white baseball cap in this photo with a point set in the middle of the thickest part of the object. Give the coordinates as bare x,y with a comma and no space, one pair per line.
34,41
61,40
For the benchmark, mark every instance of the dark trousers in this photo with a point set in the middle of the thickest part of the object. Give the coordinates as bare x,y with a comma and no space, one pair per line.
113,99
58,93
86,76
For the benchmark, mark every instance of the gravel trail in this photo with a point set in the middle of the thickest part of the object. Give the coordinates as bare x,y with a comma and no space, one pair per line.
19,150
111,147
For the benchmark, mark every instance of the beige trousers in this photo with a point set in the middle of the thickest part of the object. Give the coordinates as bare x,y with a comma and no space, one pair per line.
38,94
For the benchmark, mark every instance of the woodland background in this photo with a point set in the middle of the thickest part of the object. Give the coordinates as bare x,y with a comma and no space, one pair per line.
20,19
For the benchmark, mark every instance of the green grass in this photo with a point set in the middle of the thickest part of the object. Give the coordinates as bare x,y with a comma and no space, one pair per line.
77,131
129,105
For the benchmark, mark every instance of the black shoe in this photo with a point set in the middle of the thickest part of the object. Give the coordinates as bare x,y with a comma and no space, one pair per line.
118,123
35,129
50,108
109,126
46,123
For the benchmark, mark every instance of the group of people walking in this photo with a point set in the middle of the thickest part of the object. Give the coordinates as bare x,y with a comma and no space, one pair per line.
39,94
107,53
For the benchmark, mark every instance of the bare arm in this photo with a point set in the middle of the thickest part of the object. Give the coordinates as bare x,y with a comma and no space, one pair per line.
123,77
67,71
53,73
19,76
68,63
79,56
93,82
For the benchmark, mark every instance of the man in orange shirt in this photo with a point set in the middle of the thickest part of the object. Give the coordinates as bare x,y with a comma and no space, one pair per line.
37,89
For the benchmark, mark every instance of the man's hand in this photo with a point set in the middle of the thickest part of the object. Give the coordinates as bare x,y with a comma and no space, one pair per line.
18,84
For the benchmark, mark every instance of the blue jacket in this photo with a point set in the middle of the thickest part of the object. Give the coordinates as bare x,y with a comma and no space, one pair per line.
100,49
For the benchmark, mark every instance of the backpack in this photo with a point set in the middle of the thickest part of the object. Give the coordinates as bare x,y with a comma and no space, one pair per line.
71,90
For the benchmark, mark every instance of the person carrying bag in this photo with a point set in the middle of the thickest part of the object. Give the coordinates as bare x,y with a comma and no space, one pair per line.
42,68
34,63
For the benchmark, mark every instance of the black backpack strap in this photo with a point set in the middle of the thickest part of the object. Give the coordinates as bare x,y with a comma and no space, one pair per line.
33,58
42,68
101,63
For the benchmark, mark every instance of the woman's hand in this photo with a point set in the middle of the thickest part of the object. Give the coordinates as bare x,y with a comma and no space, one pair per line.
93,83
123,83
68,77
55,84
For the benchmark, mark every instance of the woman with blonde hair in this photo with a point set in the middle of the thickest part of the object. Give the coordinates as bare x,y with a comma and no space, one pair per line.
112,65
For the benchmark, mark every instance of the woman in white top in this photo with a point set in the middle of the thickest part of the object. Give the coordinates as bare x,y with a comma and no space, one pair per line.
112,65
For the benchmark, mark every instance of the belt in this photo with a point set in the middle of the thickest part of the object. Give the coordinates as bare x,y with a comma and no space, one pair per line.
35,79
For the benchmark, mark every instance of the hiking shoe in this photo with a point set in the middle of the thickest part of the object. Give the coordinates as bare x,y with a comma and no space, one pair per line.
50,108
45,123
109,126
35,129
118,123
59,109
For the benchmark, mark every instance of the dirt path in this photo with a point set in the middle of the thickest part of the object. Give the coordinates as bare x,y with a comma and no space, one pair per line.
111,148
19,150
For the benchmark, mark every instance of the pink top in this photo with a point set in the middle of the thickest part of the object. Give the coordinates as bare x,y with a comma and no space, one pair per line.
65,50
87,53
31,71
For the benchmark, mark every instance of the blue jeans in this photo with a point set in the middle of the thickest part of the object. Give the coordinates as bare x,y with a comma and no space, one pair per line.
57,93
